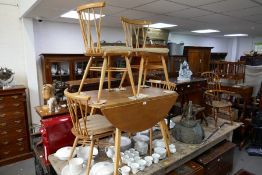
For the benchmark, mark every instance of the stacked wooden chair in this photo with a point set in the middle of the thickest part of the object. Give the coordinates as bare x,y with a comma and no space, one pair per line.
86,13
135,36
216,98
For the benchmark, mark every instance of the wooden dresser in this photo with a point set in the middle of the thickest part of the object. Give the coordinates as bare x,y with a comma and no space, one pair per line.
14,130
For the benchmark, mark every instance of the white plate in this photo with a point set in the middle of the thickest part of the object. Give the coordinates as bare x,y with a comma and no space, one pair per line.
65,171
125,141
141,138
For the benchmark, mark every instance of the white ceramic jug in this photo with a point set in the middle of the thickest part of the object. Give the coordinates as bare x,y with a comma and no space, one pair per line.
110,151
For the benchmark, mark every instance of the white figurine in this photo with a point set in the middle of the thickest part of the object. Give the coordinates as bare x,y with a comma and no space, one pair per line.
184,72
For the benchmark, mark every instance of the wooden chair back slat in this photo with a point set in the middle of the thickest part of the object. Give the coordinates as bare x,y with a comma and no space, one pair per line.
213,80
87,25
79,111
135,29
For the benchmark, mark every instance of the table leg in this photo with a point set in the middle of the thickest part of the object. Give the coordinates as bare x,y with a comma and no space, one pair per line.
117,151
165,136
90,157
85,74
150,140
103,72
141,68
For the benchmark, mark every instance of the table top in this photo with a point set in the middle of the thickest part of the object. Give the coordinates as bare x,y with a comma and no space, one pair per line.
134,115
184,153
117,97
43,113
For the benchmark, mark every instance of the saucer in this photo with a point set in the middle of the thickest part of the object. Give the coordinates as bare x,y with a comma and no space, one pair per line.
65,171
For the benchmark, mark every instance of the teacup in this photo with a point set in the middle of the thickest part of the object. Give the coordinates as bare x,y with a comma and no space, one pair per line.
156,157
130,161
134,167
76,165
149,160
172,148
137,158
124,170
142,164
132,150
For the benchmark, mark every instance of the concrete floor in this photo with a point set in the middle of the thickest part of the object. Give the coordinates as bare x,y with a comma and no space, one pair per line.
241,160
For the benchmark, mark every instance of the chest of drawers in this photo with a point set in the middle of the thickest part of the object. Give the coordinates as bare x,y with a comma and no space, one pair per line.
14,130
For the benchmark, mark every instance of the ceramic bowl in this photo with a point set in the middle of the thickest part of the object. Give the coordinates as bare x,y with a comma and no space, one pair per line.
64,153
141,138
102,168
83,152
125,143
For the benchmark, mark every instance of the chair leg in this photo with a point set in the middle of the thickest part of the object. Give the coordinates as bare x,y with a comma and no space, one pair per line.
124,74
117,151
85,74
165,136
109,73
141,68
103,72
150,141
90,158
74,147
204,118
216,110
129,70
145,72
165,70
230,115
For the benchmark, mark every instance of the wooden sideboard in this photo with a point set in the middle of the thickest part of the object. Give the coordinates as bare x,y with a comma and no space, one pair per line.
198,58
14,129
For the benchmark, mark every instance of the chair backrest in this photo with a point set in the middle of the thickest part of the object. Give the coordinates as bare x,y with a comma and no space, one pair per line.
90,16
213,80
79,110
135,32
162,84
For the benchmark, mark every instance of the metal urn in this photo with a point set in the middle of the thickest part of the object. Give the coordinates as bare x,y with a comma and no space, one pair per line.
188,130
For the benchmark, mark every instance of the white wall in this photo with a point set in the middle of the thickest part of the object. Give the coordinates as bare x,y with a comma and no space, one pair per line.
219,44
26,5
54,37
247,44
11,41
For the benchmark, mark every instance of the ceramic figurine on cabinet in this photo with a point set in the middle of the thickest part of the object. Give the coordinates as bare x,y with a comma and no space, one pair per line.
6,77
184,72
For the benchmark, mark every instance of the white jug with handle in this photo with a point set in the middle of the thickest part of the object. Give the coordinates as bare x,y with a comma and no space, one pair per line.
110,151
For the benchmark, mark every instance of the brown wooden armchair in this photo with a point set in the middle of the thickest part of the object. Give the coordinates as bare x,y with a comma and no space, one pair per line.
220,102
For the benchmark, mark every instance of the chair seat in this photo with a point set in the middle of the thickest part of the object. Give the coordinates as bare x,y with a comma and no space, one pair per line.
152,50
221,104
97,124
116,49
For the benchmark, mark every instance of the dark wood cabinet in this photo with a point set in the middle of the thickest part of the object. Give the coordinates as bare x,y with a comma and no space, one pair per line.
14,130
198,58
218,160
63,67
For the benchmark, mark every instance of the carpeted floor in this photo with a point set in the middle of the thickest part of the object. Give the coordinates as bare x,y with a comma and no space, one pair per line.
241,160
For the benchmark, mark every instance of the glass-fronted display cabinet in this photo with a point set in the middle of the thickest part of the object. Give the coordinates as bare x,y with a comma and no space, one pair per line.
57,69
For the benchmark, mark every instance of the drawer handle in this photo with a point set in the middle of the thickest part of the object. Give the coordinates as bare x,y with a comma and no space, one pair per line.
19,143
17,121
21,149
3,124
3,133
5,143
188,86
16,104
14,97
1,107
20,139
2,115
17,112
19,130
6,152
1,98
